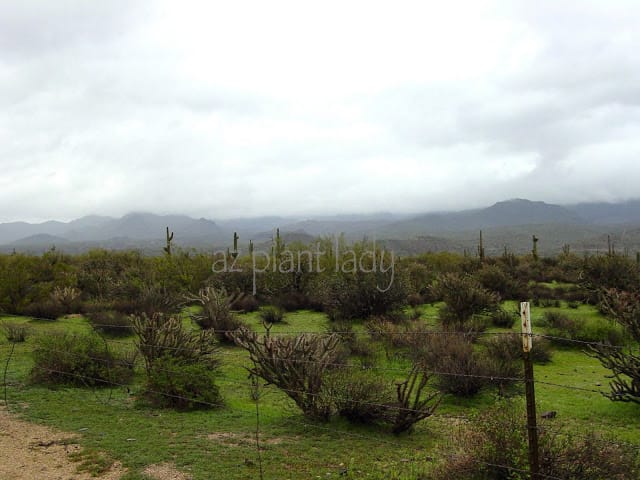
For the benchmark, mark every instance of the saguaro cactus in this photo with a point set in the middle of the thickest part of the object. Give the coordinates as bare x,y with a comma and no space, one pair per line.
167,249
481,248
278,245
234,254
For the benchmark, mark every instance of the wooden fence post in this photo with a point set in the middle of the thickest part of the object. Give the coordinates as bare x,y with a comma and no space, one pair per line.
532,425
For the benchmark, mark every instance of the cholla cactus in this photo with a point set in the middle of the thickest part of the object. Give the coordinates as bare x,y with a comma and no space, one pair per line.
165,335
296,365
65,296
412,405
217,311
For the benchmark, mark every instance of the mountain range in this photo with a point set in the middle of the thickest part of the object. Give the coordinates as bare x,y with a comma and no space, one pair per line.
509,224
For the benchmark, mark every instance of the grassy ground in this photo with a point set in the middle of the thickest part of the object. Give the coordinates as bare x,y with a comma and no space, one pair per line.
222,443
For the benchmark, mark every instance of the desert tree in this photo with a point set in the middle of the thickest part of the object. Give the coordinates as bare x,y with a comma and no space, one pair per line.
624,362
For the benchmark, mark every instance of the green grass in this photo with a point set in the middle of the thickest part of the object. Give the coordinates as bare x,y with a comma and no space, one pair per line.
220,443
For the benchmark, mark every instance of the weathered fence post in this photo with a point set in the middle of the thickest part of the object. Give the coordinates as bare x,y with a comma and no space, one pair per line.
532,425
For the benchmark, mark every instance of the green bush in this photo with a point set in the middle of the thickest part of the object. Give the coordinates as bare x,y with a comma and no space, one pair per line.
566,328
464,298
394,335
245,303
14,331
497,279
601,331
361,295
111,323
360,396
180,364
354,343
77,359
293,300
458,368
172,382
503,319
415,300
272,314
47,309
493,446
216,314
509,348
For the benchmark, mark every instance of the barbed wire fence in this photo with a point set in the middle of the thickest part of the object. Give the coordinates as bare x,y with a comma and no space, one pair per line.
258,390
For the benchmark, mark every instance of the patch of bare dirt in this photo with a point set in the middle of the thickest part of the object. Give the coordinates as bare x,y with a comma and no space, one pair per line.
165,471
244,439
29,451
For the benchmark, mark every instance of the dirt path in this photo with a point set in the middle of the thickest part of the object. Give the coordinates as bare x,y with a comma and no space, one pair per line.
34,452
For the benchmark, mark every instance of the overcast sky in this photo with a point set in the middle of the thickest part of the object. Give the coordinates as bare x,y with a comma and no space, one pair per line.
238,108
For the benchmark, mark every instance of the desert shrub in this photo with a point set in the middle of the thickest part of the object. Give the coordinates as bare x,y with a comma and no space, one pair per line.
503,319
588,457
245,303
297,365
576,295
624,363
361,295
172,382
355,344
508,348
95,306
393,335
464,298
601,331
549,303
560,321
216,314
541,351
496,278
503,360
415,300
360,396
415,313
494,446
111,323
472,329
294,300
609,271
272,314
67,297
163,335
151,299
458,368
14,331
180,364
75,359
563,327
47,309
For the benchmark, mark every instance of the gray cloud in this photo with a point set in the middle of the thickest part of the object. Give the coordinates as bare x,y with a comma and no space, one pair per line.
219,110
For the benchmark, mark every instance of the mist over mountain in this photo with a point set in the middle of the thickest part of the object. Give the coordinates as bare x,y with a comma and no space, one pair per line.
501,214
609,213
507,224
